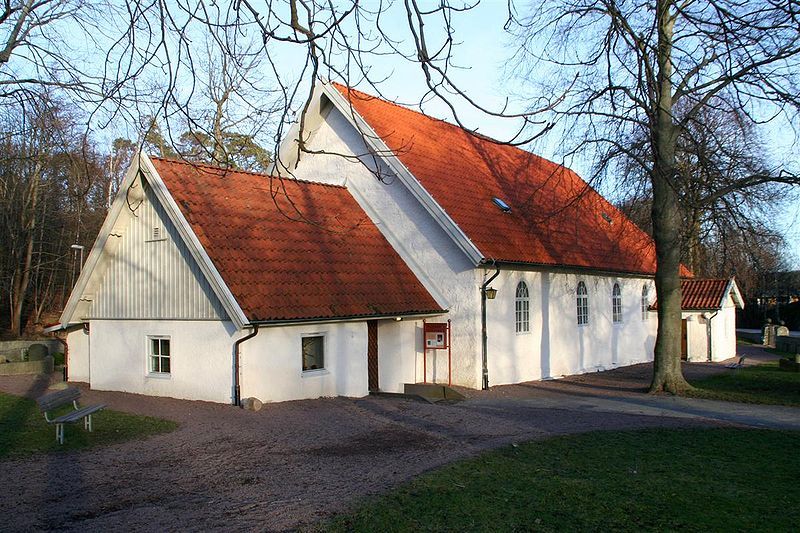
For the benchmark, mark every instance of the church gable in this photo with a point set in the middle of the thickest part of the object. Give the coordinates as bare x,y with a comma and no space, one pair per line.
150,273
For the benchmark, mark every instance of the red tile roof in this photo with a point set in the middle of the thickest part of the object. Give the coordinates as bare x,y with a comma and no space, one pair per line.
291,250
699,294
556,218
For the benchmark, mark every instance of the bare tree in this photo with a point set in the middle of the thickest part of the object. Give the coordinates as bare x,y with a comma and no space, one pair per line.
278,50
51,195
734,233
236,107
649,70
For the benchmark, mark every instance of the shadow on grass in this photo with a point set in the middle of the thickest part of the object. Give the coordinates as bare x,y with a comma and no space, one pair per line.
763,384
17,413
24,431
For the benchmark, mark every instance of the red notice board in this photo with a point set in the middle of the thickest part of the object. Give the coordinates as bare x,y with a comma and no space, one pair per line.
436,336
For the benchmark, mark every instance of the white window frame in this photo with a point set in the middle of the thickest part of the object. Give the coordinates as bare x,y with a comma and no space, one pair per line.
645,303
311,371
616,304
151,355
522,309
582,303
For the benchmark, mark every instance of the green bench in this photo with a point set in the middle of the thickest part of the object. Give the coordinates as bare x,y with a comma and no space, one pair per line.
54,400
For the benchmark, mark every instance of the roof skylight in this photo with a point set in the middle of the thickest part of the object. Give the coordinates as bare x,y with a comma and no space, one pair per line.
501,204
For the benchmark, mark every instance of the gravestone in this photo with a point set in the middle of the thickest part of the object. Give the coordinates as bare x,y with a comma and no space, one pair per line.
37,352
768,338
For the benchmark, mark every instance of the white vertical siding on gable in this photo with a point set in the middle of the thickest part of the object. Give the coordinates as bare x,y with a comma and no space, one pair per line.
153,279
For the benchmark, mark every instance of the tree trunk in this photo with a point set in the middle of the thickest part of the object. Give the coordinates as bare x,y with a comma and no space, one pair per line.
667,375
20,288
22,273
693,241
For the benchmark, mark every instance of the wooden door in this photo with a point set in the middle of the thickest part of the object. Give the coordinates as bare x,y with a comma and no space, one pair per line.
372,354
684,341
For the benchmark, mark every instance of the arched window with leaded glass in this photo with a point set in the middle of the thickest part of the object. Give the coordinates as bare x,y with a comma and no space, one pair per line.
616,304
522,308
583,304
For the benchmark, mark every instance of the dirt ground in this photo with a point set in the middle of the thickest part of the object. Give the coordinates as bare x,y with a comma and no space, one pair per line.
292,463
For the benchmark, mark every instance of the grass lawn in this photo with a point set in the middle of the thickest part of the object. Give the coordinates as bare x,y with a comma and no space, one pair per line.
23,430
754,384
655,480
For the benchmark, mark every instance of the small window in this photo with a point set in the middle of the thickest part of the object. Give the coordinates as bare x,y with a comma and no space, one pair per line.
645,303
583,304
501,204
616,304
156,233
159,355
522,309
313,353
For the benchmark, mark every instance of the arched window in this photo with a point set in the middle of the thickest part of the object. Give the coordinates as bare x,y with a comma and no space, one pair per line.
645,303
616,304
583,304
522,308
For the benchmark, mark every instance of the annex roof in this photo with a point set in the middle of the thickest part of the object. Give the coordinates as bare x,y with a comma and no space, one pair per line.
708,294
291,250
514,206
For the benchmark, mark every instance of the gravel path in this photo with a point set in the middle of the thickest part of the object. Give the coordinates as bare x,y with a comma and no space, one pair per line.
291,464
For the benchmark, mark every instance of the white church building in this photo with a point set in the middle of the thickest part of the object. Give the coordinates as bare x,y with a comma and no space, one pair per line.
402,250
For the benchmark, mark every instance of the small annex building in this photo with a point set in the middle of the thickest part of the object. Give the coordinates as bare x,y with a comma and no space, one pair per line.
708,313
216,285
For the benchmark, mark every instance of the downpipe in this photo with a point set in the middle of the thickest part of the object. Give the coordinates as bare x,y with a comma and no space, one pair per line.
708,335
484,343
237,398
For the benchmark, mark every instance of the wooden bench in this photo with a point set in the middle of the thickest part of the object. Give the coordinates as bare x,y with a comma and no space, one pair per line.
738,364
54,400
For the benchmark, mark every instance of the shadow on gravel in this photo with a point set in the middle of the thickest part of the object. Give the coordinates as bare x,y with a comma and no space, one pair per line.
586,386
377,442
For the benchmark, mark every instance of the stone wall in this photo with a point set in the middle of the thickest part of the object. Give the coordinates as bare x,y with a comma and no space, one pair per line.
788,344
45,366
14,350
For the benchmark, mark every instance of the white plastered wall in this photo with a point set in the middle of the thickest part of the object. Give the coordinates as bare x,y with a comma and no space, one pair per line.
723,332
272,370
430,253
78,364
398,351
556,345
200,359
402,359
696,336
